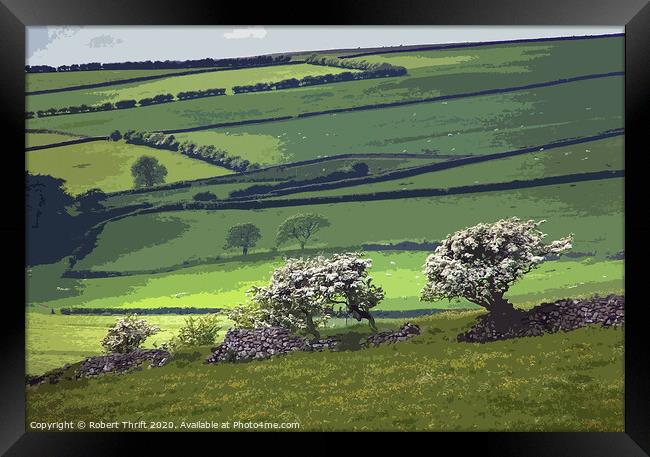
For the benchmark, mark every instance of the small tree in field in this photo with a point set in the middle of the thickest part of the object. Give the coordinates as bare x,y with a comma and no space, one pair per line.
303,293
300,227
480,263
127,335
147,172
243,236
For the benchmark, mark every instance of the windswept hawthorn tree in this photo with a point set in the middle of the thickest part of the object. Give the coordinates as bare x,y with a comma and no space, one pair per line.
480,263
303,293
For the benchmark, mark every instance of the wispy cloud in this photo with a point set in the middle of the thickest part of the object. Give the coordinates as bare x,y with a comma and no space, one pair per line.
104,41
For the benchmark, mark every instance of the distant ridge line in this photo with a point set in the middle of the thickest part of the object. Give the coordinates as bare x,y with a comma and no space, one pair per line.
474,44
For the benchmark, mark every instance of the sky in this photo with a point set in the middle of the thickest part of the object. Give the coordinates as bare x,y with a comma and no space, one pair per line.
68,45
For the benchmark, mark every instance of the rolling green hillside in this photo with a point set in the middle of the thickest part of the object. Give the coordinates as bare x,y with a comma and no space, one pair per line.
41,139
58,80
532,63
175,84
475,125
460,119
107,165
222,186
592,156
164,239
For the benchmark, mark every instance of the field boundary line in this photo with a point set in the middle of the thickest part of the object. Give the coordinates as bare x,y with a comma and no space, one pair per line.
388,195
118,82
480,93
428,168
411,171
66,143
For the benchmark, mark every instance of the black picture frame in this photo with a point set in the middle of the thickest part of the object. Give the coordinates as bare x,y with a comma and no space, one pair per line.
15,15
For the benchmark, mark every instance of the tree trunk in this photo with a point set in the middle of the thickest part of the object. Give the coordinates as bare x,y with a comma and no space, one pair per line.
245,250
503,314
360,314
501,306
302,245
311,327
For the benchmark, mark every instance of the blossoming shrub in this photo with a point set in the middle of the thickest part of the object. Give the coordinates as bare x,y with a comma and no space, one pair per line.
303,293
480,263
128,334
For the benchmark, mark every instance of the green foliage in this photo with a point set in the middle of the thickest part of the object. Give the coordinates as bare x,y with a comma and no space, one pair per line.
243,236
148,172
196,331
300,227
106,165
115,135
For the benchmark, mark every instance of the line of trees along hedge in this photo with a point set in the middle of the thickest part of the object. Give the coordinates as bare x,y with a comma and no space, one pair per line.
124,104
200,93
162,65
382,70
161,98
364,65
208,154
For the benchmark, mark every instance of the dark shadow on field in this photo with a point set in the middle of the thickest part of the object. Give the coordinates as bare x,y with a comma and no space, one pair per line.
230,263
350,341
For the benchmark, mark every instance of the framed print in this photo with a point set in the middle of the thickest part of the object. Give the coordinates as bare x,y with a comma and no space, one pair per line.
422,221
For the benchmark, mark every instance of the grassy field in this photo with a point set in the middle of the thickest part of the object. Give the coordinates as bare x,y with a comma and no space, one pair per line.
376,165
40,139
176,84
107,165
164,239
54,340
476,125
532,63
224,284
560,382
46,81
606,154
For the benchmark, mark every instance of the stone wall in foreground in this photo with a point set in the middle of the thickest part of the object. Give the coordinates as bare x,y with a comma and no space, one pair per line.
562,315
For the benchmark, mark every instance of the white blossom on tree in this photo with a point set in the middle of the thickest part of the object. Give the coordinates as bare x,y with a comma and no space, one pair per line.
303,293
480,263
128,334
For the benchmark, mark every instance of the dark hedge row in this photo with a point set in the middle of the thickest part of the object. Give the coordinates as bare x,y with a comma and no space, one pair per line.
363,65
208,153
388,195
190,94
125,104
162,65
104,311
355,170
382,71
